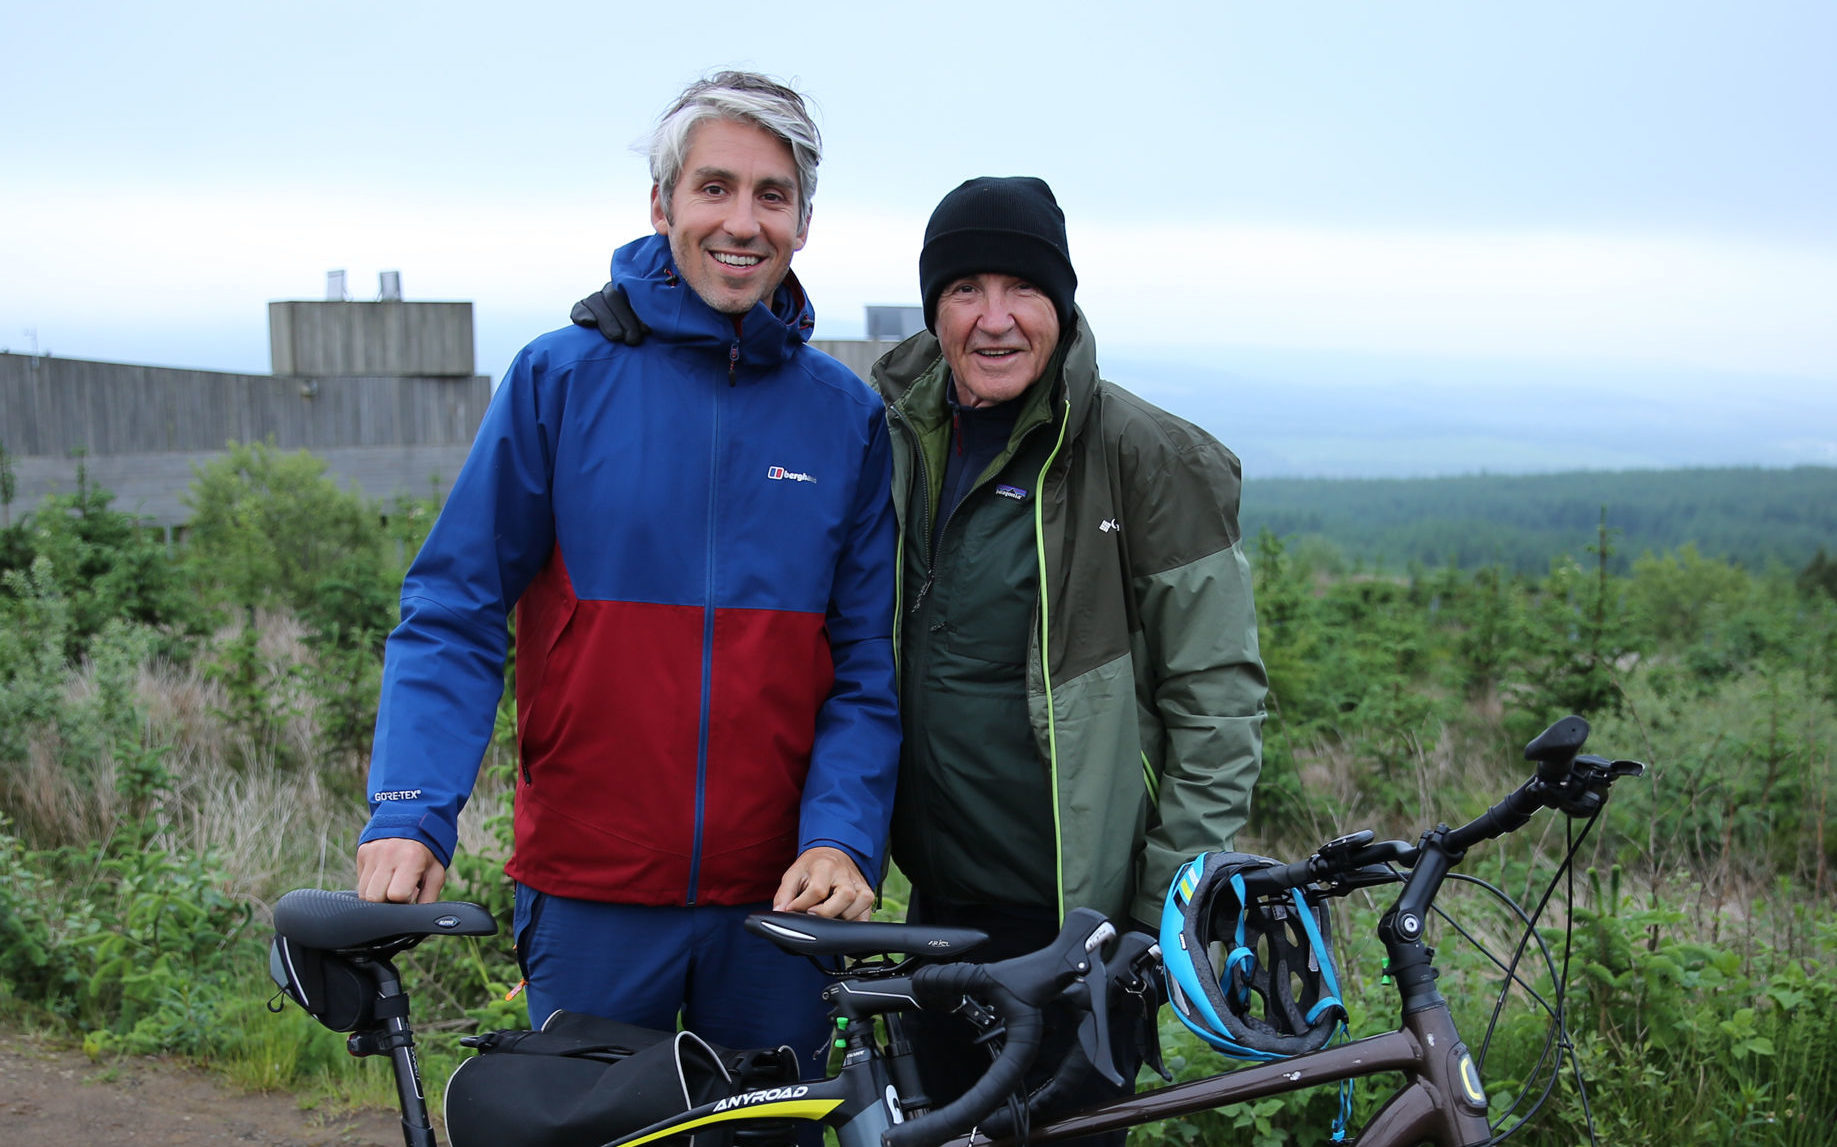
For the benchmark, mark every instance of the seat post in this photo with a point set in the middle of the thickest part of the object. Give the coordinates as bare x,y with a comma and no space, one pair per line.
397,1038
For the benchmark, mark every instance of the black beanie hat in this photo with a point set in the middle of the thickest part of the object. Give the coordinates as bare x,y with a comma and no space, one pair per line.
1007,226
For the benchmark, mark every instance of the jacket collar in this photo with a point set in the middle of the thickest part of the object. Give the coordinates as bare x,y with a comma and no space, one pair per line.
768,334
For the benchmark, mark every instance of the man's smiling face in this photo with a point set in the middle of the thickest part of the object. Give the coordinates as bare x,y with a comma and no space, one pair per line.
997,333
733,215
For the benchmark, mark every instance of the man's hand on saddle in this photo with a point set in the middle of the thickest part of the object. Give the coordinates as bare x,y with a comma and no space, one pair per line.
399,871
824,881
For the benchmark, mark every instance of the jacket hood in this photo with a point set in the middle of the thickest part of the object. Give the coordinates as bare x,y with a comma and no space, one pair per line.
769,333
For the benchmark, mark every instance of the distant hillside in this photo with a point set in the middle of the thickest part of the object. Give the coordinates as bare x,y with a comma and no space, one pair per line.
1752,516
1301,415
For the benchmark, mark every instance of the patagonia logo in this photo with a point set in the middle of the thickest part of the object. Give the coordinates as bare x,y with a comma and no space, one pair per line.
397,795
780,474
1014,492
768,1096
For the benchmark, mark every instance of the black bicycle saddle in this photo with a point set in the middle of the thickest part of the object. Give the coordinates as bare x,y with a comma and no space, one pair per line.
319,918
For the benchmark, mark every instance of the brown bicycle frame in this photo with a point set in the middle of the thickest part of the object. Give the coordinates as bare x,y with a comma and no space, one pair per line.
1437,1104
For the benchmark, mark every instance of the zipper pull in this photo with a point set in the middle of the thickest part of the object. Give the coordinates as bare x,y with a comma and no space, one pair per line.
923,590
733,360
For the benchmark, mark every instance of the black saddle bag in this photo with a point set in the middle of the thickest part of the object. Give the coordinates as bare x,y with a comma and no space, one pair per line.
335,990
583,1081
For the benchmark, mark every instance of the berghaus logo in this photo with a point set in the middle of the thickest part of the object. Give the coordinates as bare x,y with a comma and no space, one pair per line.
780,474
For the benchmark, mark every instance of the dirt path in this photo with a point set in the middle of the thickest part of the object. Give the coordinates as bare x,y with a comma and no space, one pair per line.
55,1097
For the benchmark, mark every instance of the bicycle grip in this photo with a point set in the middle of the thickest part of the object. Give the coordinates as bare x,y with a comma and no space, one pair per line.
948,982
1278,878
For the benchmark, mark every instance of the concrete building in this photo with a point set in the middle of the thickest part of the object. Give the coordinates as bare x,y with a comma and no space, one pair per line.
886,328
384,392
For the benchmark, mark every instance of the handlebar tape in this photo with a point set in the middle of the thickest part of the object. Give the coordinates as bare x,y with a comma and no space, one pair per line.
942,985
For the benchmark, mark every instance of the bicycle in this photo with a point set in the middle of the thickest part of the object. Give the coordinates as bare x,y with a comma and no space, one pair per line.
874,1100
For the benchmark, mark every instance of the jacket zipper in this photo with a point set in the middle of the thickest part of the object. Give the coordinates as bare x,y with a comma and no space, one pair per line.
918,451
701,740
1052,724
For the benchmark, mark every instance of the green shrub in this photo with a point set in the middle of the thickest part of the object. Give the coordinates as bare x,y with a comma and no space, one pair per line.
268,527
1697,1042
34,669
37,971
110,567
1741,787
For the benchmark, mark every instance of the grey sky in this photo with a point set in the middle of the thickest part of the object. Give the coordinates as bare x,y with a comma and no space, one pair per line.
1638,183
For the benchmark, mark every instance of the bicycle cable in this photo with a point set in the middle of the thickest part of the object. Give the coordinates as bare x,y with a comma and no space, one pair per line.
1560,1036
1512,976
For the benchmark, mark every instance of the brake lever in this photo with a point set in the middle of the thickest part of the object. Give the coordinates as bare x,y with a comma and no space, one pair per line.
1091,991
1585,790
1138,958
1367,876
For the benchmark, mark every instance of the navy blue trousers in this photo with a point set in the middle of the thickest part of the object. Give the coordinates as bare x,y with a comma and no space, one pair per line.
650,966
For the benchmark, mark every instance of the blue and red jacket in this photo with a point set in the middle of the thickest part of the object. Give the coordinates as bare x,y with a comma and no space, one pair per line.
698,536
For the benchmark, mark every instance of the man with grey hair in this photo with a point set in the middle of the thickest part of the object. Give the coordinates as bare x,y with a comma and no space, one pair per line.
695,532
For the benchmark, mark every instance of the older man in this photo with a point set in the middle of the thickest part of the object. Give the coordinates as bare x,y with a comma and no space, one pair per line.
1080,687
696,535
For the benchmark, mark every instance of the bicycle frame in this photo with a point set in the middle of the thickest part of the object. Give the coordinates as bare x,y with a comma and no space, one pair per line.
857,1104
1442,1103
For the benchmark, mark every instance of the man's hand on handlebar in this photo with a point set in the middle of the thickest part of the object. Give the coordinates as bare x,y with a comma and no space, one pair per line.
399,871
824,881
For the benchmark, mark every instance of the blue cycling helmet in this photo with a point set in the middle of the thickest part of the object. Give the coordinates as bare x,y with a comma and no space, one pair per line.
1253,979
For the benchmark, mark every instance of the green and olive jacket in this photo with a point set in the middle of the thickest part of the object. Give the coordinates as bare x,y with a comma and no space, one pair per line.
1144,685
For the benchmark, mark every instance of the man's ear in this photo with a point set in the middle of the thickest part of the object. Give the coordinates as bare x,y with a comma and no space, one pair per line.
658,219
803,234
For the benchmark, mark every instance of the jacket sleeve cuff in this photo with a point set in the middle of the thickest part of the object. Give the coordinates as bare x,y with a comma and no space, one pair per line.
440,843
862,861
